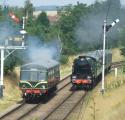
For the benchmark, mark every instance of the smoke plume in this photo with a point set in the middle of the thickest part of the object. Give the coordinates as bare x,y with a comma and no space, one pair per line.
89,31
39,51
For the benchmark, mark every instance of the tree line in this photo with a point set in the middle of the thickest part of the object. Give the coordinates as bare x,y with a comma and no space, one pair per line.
79,27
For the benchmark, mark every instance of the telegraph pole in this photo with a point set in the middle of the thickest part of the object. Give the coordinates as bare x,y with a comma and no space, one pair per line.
105,29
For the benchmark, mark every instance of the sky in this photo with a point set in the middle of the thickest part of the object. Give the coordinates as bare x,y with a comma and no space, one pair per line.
51,2
46,2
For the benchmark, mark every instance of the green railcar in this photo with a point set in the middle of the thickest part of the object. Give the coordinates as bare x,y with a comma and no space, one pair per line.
38,79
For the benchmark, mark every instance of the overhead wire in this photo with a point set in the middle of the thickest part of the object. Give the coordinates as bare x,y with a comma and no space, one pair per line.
106,17
107,13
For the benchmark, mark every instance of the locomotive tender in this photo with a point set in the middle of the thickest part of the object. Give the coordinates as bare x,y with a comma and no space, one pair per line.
38,79
87,68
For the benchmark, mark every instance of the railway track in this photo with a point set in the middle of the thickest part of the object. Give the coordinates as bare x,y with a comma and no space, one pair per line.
117,64
52,112
45,109
62,111
23,109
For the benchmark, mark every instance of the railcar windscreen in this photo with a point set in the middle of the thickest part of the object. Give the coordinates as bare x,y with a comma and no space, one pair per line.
32,75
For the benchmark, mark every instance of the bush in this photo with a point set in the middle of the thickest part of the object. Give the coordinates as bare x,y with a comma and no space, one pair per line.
63,59
122,51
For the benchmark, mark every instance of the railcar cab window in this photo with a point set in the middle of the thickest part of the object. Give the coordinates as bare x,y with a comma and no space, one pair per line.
32,75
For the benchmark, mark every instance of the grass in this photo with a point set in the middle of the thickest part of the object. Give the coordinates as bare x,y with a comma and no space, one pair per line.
116,55
12,93
111,105
67,68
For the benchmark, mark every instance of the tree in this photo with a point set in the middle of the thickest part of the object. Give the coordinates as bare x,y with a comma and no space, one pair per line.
43,20
28,9
69,19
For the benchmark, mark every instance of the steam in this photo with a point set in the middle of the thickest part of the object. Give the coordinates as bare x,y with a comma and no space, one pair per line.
89,31
89,2
7,31
39,51
122,3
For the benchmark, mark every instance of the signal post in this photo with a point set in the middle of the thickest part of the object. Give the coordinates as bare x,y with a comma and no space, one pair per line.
105,29
10,49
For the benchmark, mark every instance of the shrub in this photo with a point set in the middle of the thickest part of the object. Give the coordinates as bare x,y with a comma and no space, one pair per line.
63,59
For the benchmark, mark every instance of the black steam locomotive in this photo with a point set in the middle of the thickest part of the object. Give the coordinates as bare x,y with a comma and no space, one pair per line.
87,68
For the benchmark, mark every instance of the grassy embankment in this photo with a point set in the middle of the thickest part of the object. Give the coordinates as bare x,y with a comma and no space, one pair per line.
11,91
111,105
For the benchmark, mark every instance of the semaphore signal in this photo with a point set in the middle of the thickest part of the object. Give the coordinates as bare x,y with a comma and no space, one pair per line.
105,29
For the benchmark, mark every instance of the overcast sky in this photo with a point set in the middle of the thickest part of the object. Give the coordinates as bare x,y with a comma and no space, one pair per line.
46,2
50,2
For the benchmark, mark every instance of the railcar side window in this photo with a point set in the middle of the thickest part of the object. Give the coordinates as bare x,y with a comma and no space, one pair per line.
48,74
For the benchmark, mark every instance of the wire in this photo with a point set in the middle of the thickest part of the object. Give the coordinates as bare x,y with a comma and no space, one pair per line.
100,39
109,6
107,13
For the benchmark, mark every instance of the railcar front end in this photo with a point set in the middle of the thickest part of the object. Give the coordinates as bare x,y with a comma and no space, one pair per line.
37,81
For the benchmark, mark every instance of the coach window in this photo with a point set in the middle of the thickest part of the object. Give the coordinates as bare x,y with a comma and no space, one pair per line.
48,74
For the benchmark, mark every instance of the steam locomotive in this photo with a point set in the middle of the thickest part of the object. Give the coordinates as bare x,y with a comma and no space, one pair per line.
38,79
87,68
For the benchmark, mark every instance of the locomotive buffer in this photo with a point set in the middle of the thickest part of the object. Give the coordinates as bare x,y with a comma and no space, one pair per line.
105,29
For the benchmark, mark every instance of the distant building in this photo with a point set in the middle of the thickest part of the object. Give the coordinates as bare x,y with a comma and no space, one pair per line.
51,12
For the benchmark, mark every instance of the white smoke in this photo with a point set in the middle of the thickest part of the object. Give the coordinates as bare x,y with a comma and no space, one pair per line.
39,51
89,2
122,3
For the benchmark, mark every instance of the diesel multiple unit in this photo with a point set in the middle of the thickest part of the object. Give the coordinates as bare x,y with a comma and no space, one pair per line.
38,79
